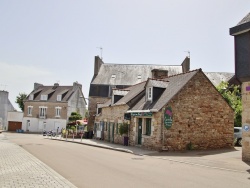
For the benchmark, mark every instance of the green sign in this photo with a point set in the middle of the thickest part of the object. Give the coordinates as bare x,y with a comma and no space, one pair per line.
149,114
168,117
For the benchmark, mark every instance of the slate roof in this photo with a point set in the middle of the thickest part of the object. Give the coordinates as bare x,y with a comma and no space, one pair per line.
134,91
127,74
245,19
242,27
175,84
46,90
217,77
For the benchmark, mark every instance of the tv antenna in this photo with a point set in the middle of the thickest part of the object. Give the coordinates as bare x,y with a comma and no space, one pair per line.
188,53
3,86
100,48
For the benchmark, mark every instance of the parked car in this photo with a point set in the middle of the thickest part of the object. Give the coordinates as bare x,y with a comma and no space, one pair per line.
238,136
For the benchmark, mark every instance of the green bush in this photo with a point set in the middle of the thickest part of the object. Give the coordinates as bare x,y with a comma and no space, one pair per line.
123,128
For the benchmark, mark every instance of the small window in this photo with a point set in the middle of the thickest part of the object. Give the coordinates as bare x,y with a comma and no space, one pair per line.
42,112
30,110
31,97
113,76
148,126
44,97
139,77
150,93
59,97
58,111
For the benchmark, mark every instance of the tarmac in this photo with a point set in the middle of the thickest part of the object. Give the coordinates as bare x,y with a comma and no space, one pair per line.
18,168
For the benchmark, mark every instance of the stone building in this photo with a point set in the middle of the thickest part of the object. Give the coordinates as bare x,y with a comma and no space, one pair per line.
179,112
5,107
49,107
108,76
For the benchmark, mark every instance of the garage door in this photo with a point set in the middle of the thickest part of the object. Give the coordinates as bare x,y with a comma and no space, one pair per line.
13,126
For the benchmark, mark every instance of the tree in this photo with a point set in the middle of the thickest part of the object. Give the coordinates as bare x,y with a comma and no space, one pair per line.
20,100
75,116
232,94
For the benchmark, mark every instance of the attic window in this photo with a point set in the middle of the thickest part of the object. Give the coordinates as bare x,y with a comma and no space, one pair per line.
31,97
150,89
59,97
44,97
113,76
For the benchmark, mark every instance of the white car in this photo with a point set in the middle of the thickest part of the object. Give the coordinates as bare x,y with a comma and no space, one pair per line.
238,136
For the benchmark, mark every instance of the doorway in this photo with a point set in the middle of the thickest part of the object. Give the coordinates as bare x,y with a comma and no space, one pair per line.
139,131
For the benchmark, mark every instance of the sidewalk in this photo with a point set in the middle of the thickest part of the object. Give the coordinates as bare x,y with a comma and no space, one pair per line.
18,168
223,159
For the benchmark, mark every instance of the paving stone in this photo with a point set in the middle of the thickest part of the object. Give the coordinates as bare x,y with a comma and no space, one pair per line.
18,168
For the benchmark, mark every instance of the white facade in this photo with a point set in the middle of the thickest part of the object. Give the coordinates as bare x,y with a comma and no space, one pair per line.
30,124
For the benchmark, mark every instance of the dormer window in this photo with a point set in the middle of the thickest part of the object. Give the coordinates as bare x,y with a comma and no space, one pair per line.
59,97
150,93
31,97
44,97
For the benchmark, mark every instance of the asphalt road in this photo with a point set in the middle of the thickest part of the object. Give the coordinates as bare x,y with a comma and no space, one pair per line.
91,167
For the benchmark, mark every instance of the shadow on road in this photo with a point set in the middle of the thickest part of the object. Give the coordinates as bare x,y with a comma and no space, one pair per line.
193,153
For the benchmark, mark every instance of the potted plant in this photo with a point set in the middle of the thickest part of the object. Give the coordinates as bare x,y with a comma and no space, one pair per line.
123,130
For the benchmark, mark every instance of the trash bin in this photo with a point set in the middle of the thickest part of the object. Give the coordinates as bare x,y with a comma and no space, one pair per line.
125,140
86,135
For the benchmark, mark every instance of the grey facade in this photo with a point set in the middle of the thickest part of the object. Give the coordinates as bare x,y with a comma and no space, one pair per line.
5,107
241,34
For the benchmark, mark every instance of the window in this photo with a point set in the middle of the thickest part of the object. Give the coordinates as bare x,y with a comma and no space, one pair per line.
31,97
58,111
59,97
29,110
146,126
113,76
106,126
42,112
117,127
44,97
150,93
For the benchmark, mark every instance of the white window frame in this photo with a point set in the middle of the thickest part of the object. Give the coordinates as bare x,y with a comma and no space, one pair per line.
59,98
58,111
29,112
150,93
44,97
42,111
31,97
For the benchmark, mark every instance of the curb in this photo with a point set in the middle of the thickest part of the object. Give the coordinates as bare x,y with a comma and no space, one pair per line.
95,145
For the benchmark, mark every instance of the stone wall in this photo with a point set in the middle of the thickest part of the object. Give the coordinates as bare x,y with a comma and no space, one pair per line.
245,121
202,119
51,111
93,101
112,116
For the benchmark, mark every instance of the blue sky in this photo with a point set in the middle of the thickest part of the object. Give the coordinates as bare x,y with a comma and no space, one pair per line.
49,41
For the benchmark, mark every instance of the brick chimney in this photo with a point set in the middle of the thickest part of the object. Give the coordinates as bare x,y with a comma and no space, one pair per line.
37,85
186,65
98,63
158,73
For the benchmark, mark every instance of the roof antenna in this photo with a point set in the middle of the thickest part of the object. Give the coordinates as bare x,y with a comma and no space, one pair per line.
188,53
4,86
100,48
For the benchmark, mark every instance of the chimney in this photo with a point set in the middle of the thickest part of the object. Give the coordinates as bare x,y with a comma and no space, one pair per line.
76,85
98,63
158,73
186,65
37,85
